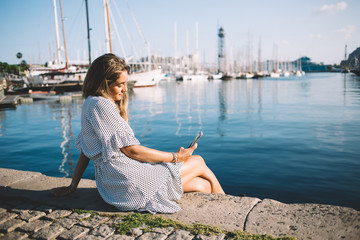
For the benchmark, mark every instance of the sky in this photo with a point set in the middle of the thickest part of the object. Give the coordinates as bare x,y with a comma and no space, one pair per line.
283,29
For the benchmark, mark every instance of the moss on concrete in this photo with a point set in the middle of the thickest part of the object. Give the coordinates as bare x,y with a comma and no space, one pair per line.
148,222
80,211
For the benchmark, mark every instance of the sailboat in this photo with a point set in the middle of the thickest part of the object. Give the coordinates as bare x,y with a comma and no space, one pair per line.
299,71
276,73
193,66
145,78
259,73
145,74
57,73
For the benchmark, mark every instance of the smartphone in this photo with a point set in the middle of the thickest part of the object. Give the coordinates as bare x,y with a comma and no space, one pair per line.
198,136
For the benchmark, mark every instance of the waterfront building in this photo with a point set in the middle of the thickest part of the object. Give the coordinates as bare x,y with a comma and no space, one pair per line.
2,87
308,66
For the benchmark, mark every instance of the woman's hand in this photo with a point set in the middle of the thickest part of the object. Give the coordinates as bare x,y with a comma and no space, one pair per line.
62,191
79,170
184,153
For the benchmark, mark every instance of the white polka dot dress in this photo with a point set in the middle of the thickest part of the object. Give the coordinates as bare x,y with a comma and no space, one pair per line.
126,183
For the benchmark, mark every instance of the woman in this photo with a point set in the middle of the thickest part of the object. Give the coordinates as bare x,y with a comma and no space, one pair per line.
129,175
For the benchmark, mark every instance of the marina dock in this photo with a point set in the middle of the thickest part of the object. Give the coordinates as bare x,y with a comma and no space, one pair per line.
9,101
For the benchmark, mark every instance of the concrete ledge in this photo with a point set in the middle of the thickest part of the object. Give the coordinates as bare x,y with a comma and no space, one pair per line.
227,212
35,186
303,221
10,176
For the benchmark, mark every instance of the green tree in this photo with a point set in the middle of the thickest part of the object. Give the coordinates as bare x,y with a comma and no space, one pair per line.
14,69
4,67
24,66
19,55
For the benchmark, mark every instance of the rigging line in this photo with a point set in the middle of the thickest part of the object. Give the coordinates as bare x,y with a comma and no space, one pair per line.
117,33
127,33
141,34
75,22
137,24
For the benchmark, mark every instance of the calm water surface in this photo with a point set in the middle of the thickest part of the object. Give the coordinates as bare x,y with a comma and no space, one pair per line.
290,139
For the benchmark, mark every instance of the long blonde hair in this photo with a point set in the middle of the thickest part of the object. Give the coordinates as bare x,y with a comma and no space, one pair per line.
104,71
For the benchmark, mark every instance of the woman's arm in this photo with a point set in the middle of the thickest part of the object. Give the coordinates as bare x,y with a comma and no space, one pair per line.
81,165
145,154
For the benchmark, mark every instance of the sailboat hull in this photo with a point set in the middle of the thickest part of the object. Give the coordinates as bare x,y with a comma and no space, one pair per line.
146,79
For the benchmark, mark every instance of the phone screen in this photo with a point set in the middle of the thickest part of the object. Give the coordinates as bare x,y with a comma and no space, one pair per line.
198,136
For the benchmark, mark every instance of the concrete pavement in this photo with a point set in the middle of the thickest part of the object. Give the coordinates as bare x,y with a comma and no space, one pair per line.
26,201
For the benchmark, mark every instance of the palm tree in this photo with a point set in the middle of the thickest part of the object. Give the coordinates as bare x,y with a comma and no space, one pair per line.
19,55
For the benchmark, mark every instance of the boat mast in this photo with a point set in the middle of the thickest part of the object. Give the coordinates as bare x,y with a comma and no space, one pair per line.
88,31
108,21
175,47
187,66
57,34
259,57
63,30
197,64
107,27
249,54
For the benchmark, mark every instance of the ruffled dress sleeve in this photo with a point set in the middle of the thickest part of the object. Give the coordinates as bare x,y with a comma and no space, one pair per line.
104,131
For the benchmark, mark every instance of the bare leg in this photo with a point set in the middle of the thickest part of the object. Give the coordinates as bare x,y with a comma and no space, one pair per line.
197,184
195,168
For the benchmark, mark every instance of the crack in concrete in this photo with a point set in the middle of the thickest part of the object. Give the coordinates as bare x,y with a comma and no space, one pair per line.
247,215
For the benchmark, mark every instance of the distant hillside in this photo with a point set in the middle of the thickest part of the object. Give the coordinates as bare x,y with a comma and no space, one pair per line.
354,59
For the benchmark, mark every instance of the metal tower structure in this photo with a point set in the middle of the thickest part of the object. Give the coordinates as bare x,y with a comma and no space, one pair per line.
345,58
221,50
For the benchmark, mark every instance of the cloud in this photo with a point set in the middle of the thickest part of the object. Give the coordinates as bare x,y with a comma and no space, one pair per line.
316,36
330,8
347,31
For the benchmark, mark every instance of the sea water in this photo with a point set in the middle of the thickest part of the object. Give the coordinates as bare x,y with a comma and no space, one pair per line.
292,139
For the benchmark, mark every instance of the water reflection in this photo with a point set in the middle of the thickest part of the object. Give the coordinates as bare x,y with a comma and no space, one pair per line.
62,113
270,132
330,137
351,86
259,98
2,120
249,95
192,101
186,101
65,145
222,101
177,109
222,93
144,105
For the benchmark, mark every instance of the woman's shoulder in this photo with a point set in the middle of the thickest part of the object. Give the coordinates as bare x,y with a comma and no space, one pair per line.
98,101
99,105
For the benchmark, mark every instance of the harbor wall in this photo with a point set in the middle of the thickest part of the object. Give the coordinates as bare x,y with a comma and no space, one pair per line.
254,215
